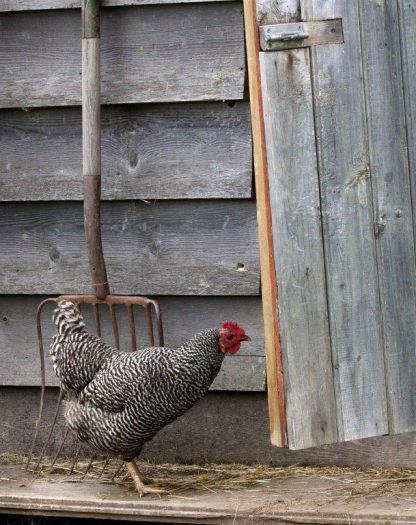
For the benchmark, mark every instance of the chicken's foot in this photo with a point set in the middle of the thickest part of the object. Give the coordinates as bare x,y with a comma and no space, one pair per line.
141,488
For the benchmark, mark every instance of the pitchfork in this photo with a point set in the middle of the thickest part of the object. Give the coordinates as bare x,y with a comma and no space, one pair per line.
91,155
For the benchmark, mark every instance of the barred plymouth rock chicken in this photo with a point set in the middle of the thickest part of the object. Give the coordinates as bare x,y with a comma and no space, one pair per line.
116,401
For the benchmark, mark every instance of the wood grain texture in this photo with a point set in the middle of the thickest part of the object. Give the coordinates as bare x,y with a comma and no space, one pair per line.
277,11
149,54
169,151
389,174
169,248
36,5
207,432
183,317
350,252
277,413
407,32
298,248
91,107
315,499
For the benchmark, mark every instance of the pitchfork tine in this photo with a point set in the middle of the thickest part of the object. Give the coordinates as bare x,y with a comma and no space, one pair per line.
132,327
89,466
75,461
118,471
97,318
42,375
60,448
114,325
45,446
149,321
106,463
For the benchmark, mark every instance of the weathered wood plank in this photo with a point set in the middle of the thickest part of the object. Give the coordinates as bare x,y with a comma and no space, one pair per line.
168,248
277,411
350,253
298,249
407,24
208,432
149,54
169,151
392,206
315,499
183,317
276,12
36,5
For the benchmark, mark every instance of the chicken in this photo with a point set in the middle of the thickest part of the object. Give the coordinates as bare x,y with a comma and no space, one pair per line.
116,401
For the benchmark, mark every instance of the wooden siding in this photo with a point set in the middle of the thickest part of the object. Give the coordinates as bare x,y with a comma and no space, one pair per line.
163,151
149,54
169,248
35,5
182,318
177,168
208,432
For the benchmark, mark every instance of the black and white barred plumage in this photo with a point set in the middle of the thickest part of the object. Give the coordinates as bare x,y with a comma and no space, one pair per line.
116,401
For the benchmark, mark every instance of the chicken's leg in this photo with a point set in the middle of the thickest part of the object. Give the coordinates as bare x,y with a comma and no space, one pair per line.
141,488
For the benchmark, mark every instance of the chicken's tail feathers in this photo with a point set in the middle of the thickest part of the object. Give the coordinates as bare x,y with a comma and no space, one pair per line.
68,318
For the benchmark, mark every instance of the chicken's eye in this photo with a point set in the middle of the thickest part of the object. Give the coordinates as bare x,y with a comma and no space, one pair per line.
229,337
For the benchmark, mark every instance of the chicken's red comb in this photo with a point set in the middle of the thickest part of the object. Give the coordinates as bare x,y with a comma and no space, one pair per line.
232,325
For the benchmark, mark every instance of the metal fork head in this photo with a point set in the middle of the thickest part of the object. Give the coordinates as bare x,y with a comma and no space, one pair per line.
112,302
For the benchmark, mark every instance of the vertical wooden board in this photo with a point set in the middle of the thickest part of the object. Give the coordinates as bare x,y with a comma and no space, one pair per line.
297,238
350,253
392,206
407,23
275,397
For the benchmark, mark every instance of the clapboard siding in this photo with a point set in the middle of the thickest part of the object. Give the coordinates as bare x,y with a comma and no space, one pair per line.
164,248
298,250
183,317
348,226
35,5
389,173
169,151
206,434
148,54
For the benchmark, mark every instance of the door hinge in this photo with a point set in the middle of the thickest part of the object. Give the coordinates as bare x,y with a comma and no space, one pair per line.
276,37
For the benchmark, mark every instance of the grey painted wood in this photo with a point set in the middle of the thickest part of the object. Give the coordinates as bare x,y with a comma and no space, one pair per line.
222,427
392,206
320,32
167,248
35,5
169,151
183,317
274,12
297,239
407,24
149,54
350,252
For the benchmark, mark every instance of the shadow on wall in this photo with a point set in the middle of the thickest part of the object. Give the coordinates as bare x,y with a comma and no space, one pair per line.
222,427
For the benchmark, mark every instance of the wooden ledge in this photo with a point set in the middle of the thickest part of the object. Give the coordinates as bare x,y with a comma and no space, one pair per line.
298,499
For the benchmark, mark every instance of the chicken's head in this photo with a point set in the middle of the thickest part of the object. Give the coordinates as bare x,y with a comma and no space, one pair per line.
231,335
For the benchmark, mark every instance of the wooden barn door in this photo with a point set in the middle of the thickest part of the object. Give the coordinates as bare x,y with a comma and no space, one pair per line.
338,104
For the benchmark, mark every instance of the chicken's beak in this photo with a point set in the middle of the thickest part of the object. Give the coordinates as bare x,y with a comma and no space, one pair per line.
245,338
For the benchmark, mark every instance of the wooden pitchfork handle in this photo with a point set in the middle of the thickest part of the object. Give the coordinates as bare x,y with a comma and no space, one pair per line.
91,143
